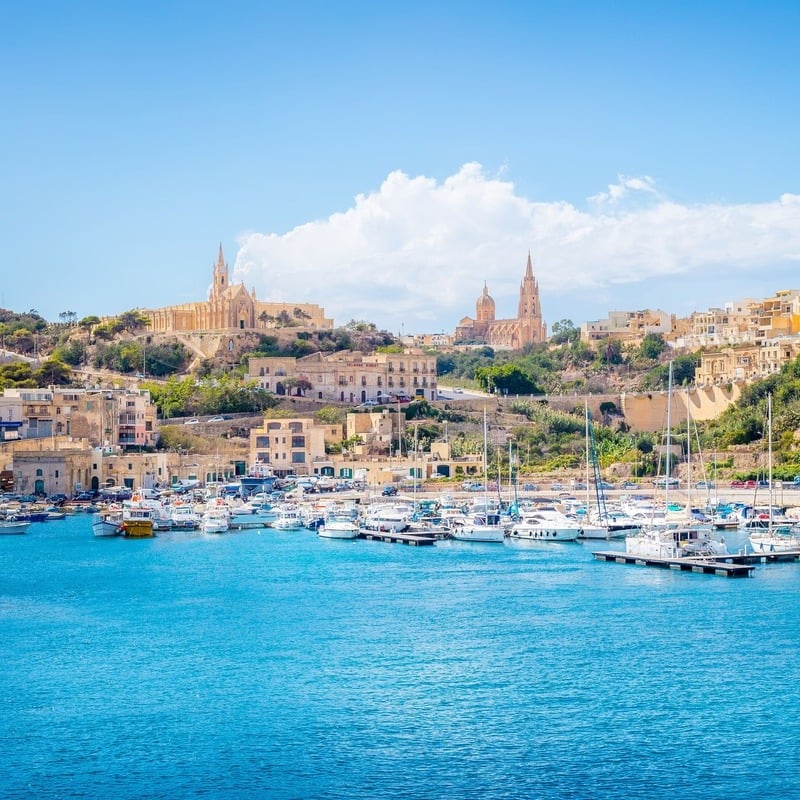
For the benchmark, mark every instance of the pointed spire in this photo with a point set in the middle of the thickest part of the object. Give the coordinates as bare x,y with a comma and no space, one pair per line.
221,258
529,267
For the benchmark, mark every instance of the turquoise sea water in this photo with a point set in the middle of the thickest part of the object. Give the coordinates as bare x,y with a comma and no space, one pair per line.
280,665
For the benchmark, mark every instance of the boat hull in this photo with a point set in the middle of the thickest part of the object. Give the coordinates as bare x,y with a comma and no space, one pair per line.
13,527
478,533
138,528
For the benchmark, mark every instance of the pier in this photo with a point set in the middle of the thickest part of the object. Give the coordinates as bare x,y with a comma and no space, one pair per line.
719,565
413,539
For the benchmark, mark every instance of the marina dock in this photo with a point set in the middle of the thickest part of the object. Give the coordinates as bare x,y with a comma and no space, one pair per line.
719,565
413,539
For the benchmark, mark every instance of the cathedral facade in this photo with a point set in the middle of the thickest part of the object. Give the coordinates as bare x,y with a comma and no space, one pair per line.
232,307
526,328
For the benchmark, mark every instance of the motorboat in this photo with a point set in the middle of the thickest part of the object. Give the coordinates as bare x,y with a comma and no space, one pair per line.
339,526
476,529
389,517
137,521
184,517
215,519
289,518
688,541
776,539
546,524
12,525
108,522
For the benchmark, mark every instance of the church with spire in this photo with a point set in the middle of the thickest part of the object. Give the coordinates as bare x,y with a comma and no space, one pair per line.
233,307
512,334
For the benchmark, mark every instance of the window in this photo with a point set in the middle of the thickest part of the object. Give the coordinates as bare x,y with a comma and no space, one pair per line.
298,458
298,441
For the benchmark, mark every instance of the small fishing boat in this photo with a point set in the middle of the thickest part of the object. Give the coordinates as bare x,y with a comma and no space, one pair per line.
137,522
108,523
11,525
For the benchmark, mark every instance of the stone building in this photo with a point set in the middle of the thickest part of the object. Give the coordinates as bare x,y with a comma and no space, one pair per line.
348,376
524,329
232,307
629,327
124,418
290,445
746,362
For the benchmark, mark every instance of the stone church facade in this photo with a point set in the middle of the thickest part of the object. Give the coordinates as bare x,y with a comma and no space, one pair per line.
232,307
526,328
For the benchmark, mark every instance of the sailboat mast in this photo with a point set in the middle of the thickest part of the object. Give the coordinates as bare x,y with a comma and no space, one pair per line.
588,457
485,468
688,453
668,464
769,451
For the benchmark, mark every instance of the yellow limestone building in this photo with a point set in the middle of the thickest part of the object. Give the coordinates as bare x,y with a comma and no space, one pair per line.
232,307
526,328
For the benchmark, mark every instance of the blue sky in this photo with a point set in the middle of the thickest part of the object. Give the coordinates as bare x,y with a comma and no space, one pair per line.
384,160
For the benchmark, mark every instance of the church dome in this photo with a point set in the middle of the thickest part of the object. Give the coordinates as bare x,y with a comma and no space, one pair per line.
485,306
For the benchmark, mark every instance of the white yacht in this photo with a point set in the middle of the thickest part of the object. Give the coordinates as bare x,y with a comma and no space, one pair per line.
476,529
339,526
775,539
215,520
546,524
288,518
184,517
678,542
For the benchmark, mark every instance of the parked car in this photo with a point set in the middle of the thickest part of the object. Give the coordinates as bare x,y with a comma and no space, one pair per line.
530,487
192,421
57,499
83,497
218,418
664,481
367,404
389,491
704,485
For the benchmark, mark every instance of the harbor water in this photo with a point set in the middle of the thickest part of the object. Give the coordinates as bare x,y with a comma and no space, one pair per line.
266,664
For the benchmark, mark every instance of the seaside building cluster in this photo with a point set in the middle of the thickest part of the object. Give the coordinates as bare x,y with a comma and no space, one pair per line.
63,440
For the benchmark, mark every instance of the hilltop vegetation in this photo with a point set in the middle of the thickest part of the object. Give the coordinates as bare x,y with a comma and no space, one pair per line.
543,439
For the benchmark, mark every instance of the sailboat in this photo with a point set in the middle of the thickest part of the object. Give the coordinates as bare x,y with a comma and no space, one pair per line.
601,522
774,538
665,541
478,527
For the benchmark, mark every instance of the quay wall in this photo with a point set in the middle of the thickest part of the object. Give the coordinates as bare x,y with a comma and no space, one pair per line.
645,411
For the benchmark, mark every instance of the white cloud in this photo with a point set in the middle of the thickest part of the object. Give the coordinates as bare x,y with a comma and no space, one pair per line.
414,254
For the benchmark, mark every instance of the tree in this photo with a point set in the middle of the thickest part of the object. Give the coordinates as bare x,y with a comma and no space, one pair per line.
610,351
652,346
564,331
52,372
133,320
89,322
506,379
